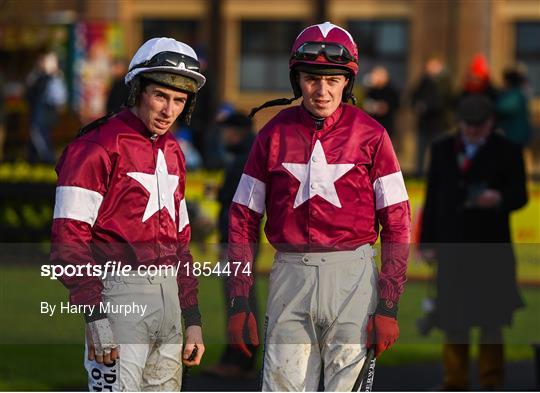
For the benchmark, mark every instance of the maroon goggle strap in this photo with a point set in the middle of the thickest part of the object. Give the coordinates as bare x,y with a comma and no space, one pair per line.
333,52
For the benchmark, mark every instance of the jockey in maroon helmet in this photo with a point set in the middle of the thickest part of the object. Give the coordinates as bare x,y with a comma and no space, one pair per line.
323,49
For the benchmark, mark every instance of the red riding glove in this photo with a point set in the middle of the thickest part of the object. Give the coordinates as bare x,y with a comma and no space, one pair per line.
242,327
383,329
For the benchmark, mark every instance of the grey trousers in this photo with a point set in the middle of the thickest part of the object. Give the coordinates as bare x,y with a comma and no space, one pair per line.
150,345
317,314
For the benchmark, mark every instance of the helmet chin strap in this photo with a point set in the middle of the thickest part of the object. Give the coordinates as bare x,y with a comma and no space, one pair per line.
285,101
348,95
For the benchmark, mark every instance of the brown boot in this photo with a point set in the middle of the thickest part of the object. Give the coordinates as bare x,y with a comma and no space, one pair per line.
491,366
455,367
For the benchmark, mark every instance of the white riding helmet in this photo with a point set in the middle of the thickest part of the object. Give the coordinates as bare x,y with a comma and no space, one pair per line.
168,56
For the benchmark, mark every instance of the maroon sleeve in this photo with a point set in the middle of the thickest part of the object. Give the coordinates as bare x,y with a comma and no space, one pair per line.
245,214
83,173
393,214
187,282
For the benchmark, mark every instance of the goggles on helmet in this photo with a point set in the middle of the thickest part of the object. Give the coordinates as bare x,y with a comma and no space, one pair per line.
170,59
333,52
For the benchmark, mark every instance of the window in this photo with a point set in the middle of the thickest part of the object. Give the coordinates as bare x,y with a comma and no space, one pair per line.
181,30
265,49
382,42
528,51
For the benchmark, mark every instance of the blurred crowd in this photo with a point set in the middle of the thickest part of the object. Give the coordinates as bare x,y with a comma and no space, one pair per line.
432,100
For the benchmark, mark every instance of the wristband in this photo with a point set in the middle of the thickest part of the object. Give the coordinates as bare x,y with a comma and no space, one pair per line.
238,304
192,316
94,316
387,308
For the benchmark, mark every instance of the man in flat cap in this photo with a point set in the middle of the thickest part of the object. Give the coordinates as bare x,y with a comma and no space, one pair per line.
476,178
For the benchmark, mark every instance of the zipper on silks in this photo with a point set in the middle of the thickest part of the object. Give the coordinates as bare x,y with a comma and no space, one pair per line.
154,138
314,137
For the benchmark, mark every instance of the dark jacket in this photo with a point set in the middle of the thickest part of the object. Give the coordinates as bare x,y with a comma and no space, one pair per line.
390,96
117,95
513,116
233,173
432,101
476,280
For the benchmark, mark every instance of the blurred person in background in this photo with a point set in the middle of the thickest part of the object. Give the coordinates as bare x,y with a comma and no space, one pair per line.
2,117
477,79
382,100
121,197
118,92
432,101
215,151
203,117
46,94
225,109
184,137
476,178
513,108
93,79
237,137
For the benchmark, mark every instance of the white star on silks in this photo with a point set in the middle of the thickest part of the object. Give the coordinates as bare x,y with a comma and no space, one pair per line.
161,187
317,177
